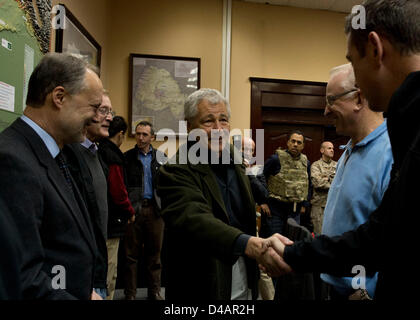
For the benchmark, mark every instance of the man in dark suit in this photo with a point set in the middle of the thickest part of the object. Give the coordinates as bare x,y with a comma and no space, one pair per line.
35,184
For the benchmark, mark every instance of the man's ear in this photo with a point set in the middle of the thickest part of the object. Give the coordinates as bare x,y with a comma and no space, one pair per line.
154,137
58,96
361,101
375,48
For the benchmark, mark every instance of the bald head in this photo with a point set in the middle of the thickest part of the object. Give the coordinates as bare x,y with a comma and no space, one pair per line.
327,150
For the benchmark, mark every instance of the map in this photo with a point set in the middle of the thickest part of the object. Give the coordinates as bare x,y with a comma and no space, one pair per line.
160,87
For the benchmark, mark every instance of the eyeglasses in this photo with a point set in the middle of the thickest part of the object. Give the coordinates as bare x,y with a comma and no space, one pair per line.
332,99
104,111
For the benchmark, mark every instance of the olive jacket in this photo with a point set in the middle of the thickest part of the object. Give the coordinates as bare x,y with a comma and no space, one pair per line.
199,239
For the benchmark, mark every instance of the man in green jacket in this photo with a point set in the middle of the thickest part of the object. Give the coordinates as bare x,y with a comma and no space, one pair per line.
209,210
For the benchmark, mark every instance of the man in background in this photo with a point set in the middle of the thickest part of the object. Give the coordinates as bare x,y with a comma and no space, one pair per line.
120,210
322,174
147,229
288,177
87,169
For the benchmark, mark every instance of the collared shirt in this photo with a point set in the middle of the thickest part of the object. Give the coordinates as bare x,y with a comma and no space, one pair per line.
49,141
146,160
90,145
362,176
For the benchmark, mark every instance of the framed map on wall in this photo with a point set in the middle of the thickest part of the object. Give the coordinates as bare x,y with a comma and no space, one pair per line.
159,87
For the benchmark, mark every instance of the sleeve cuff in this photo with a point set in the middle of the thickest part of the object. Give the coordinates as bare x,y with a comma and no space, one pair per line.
240,244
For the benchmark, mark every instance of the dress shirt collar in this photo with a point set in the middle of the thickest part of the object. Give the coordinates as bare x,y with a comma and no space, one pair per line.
91,146
49,141
370,137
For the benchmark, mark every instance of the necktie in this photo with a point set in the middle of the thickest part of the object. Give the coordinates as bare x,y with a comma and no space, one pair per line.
62,164
93,148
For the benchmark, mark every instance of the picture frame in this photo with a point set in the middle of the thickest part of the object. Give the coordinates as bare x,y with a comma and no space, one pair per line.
73,38
159,86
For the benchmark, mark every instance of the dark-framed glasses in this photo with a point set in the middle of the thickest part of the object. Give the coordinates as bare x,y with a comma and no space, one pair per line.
332,99
104,111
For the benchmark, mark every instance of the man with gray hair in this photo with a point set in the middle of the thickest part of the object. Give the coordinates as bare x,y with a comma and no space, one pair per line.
59,247
363,171
209,211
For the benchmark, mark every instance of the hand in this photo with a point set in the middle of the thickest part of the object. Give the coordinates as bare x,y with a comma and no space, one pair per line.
302,210
95,296
256,247
272,264
272,261
279,242
265,210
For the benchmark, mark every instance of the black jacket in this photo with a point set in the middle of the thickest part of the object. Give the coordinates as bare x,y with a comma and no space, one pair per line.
11,252
117,217
83,178
135,185
55,227
388,242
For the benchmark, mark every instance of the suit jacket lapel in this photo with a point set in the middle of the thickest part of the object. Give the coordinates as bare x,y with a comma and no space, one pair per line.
57,180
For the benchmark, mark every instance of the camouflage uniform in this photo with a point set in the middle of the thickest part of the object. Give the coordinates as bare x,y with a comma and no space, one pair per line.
322,174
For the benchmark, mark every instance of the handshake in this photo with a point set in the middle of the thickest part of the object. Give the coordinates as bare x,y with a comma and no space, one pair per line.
269,254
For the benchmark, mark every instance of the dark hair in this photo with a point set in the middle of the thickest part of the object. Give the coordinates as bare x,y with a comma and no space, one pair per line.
117,124
397,20
145,123
55,69
296,132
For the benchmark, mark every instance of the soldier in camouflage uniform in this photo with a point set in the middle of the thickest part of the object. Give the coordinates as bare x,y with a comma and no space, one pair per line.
322,174
287,173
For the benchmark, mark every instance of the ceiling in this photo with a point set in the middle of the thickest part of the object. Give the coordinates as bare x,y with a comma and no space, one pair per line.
331,5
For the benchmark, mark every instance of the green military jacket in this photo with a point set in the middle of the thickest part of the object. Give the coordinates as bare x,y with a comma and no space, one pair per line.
198,236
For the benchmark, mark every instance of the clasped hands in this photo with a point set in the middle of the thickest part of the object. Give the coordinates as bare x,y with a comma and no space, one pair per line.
269,254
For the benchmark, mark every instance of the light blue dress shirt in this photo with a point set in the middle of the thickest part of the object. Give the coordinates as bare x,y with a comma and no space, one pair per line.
362,176
49,141
90,145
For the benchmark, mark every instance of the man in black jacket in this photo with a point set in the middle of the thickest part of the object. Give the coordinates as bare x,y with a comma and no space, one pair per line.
386,60
143,163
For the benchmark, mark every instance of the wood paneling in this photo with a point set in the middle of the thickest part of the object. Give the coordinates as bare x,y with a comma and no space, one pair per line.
280,106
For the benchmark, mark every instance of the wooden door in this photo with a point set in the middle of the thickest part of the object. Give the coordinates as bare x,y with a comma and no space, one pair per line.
280,106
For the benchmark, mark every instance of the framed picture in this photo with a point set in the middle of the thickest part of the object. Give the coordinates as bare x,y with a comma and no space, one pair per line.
159,87
73,38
